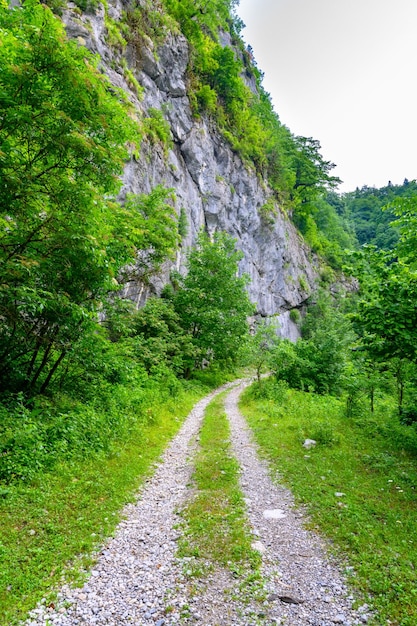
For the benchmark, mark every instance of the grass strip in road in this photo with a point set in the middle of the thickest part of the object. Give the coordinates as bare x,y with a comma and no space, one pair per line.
50,526
215,527
359,484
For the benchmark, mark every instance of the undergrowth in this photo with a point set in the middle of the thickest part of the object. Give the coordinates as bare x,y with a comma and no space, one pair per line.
359,482
51,521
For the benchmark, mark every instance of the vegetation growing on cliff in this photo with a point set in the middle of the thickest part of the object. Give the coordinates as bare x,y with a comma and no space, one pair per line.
83,374
66,244
225,83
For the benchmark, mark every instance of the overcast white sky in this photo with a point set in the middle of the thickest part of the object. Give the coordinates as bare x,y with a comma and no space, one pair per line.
345,73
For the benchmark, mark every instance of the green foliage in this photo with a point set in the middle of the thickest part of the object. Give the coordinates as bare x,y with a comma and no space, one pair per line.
285,363
302,281
114,36
157,129
207,99
386,313
182,223
211,301
147,24
317,361
62,149
405,211
295,316
384,316
89,6
63,239
335,232
50,526
201,16
268,212
150,230
312,175
368,460
132,81
159,341
371,212
258,349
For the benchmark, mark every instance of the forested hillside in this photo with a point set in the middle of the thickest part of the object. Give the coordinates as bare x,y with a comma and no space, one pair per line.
123,176
370,212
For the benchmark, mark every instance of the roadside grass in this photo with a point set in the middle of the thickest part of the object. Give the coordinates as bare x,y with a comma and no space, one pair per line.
50,526
215,528
359,484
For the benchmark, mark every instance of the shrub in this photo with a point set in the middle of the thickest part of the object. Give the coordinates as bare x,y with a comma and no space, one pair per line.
295,316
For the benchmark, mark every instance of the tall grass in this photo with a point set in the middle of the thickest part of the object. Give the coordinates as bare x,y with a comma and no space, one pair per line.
52,519
359,483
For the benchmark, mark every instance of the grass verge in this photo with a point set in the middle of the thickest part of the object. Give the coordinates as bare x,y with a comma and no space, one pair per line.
50,526
215,528
358,482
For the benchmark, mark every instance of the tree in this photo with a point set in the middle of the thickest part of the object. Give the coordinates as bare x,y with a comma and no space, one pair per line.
317,361
386,316
212,301
63,238
159,341
260,347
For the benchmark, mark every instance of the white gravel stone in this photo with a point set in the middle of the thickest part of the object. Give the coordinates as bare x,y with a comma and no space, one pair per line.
140,561
138,579
299,554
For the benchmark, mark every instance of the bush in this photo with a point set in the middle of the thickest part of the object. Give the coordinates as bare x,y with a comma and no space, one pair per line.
323,433
295,316
316,362
269,389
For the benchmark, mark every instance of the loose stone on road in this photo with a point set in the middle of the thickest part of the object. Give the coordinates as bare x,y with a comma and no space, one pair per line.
305,587
139,580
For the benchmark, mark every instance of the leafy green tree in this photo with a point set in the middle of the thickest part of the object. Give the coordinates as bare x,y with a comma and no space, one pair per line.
285,363
63,238
260,347
212,301
316,362
386,316
147,228
372,212
405,211
158,339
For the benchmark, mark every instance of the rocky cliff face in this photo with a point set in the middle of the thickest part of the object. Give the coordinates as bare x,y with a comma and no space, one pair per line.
212,185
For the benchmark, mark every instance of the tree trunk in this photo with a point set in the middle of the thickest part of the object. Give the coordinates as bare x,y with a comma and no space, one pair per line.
52,371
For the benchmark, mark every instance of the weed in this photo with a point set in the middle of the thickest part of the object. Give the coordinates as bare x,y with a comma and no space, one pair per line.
303,283
114,35
215,526
51,517
157,129
375,528
295,316
268,212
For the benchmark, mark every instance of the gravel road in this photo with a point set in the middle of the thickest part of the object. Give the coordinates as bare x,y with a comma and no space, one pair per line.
138,579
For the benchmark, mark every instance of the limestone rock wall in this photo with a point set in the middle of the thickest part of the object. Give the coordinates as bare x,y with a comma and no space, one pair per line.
211,183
